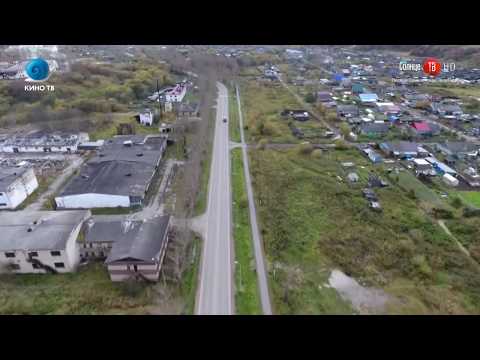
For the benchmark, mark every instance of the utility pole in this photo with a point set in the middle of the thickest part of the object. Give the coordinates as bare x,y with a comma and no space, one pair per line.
159,103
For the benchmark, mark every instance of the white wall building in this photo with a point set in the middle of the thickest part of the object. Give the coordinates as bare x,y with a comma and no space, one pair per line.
177,93
146,118
40,241
16,184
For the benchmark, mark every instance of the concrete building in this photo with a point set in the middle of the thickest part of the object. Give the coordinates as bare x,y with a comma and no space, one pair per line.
40,141
138,247
177,93
40,241
118,176
16,184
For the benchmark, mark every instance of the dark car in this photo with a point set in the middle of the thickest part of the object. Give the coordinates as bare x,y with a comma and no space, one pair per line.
224,120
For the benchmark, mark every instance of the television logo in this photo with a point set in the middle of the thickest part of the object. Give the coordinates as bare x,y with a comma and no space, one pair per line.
37,69
430,66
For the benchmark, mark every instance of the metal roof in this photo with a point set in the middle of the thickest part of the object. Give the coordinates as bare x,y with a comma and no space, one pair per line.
38,230
134,240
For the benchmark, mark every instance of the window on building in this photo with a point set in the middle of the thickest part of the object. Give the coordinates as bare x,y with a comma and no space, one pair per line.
3,204
10,254
36,266
135,268
33,254
55,253
59,265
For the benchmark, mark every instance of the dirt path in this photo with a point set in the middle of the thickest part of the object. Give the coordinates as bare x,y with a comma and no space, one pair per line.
55,186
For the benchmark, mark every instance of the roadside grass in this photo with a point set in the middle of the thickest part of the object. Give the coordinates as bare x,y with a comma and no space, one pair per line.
312,223
234,120
87,291
247,297
188,287
202,196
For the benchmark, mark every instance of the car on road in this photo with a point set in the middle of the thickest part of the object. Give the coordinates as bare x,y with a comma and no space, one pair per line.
224,120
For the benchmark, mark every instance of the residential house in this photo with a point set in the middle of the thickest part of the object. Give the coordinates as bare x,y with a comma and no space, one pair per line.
368,98
421,129
447,110
145,118
422,166
188,109
471,176
16,184
347,110
374,129
40,241
372,155
440,167
357,88
458,149
402,149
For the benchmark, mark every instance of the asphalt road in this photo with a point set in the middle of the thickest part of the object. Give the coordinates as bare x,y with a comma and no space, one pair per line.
257,240
215,293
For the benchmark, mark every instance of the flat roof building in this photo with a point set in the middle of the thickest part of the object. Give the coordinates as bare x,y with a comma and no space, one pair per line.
40,241
118,176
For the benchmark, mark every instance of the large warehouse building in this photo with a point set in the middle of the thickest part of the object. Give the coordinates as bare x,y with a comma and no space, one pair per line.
118,176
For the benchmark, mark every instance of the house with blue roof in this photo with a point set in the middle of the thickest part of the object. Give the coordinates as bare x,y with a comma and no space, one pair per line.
368,98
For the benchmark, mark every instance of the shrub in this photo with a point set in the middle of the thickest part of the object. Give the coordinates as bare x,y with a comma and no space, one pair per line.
310,98
341,144
470,212
456,202
262,144
442,213
305,148
317,153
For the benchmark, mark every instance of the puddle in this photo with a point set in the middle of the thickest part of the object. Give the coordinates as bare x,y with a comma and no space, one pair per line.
363,299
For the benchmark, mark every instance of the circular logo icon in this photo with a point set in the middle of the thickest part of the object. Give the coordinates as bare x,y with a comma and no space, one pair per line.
432,67
37,69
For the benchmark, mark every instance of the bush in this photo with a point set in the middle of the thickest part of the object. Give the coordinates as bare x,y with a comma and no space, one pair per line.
262,144
470,212
305,149
317,153
411,194
310,98
332,117
340,144
442,213
456,202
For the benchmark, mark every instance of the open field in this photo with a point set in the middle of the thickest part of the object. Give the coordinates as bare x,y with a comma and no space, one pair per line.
247,300
89,291
471,198
262,106
312,223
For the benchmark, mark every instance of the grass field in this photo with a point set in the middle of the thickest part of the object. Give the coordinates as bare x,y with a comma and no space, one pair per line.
234,121
312,223
471,198
88,291
247,301
261,107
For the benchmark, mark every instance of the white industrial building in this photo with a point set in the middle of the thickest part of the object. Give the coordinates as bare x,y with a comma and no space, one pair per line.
40,241
118,176
40,141
16,184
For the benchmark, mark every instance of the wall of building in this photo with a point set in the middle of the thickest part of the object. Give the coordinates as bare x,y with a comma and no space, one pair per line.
124,270
89,201
19,190
44,256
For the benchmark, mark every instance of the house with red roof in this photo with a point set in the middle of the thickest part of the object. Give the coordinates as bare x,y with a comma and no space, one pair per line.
421,128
